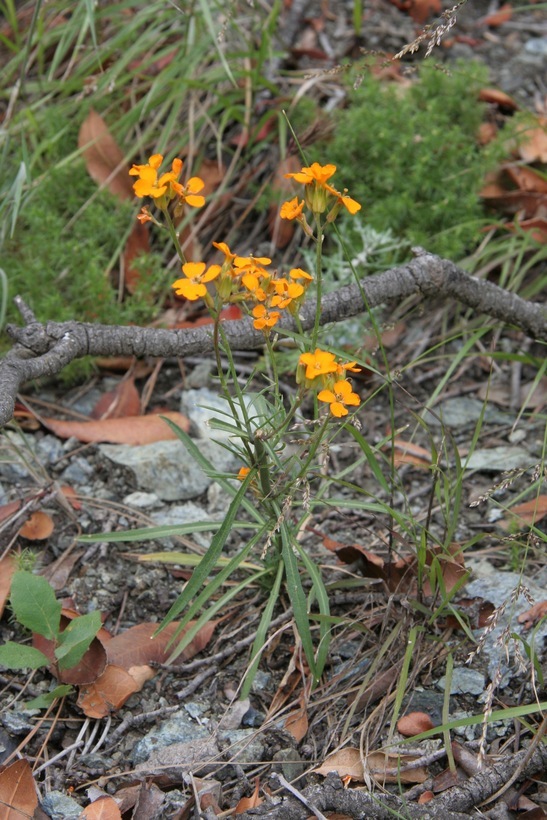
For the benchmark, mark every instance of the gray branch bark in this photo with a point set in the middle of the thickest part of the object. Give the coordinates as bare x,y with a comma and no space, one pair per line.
453,804
45,349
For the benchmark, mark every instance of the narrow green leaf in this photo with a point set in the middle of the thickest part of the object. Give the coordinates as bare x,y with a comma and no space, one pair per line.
166,531
297,598
34,604
262,632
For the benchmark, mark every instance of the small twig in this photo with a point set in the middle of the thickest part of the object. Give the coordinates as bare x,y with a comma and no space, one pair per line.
298,795
195,683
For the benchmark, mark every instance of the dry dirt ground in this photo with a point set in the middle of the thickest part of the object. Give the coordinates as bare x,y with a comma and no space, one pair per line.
182,744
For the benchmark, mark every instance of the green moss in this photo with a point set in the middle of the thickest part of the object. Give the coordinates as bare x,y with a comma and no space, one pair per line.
67,240
410,156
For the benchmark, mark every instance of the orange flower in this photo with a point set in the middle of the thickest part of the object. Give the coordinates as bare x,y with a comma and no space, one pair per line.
243,473
298,273
319,363
193,287
318,174
319,192
264,319
189,193
285,292
343,368
148,183
339,398
223,248
292,209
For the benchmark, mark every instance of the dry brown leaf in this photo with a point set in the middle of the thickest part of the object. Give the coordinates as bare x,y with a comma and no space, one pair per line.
526,514
533,615
251,802
499,17
282,230
414,724
296,722
136,645
131,430
8,566
534,147
535,396
18,797
38,527
390,768
408,453
7,510
526,178
105,808
536,227
108,693
92,664
497,97
104,159
123,400
138,242
346,762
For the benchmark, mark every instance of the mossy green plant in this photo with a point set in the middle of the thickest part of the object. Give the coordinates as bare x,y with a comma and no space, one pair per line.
65,249
411,156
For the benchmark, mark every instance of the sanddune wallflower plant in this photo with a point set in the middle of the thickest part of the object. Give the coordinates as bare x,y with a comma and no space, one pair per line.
261,425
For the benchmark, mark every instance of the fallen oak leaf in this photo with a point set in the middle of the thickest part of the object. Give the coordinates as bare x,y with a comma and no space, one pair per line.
105,808
533,615
18,796
103,157
526,514
251,802
134,430
123,400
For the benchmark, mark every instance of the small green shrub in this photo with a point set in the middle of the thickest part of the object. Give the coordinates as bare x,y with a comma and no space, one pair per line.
411,156
67,239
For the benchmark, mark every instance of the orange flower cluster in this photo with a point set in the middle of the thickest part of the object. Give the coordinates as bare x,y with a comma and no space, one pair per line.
246,279
331,376
318,195
165,187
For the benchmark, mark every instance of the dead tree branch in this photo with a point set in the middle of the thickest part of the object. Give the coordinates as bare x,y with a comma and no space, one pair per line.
45,349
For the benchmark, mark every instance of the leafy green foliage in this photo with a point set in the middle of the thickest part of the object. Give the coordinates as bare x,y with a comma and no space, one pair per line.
410,156
36,608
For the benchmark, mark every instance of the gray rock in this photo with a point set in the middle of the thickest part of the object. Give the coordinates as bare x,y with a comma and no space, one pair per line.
184,514
142,501
180,728
60,806
201,406
166,468
289,764
245,745
536,46
462,411
79,471
498,459
464,681
50,449
499,588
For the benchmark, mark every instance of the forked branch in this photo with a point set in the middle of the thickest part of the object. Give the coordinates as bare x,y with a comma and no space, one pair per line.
45,349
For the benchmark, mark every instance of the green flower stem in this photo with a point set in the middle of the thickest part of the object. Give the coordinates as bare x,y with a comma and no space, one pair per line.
318,278
174,236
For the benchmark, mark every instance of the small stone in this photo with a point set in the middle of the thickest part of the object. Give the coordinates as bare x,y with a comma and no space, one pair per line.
59,806
464,682
179,729
141,501
289,764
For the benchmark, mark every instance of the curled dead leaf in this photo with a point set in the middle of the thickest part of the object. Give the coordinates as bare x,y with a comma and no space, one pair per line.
414,724
38,527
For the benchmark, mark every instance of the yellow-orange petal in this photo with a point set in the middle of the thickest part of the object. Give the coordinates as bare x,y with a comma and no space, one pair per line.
193,270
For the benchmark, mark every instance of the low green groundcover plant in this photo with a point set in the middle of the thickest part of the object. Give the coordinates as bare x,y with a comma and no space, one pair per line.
411,155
